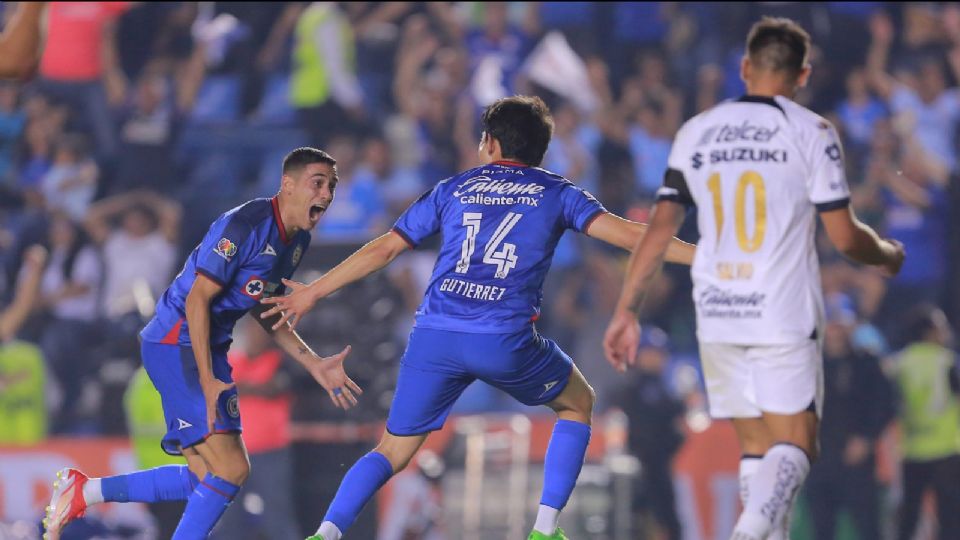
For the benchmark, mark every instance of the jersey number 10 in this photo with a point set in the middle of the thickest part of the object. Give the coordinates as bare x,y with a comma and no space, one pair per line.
498,252
752,179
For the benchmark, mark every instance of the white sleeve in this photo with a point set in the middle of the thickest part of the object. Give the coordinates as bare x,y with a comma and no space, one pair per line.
675,186
827,186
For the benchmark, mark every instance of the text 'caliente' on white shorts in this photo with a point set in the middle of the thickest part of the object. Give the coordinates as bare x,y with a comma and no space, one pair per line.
744,381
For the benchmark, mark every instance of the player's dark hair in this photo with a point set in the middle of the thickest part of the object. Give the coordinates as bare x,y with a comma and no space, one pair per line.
522,125
299,158
778,44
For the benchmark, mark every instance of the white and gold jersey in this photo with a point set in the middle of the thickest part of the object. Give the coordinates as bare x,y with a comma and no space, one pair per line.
758,169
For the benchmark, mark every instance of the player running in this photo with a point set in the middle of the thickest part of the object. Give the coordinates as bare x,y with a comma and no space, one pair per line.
758,169
242,258
500,224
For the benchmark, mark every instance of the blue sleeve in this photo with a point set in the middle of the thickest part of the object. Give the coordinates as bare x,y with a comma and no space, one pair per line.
579,207
421,220
224,249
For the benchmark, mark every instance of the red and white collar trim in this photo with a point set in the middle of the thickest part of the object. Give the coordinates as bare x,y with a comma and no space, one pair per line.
279,220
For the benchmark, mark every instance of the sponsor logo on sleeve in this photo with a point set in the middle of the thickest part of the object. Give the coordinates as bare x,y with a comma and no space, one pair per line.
297,253
226,249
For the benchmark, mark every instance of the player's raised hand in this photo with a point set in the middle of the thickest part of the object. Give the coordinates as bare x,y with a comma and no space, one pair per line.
212,389
621,340
291,307
329,372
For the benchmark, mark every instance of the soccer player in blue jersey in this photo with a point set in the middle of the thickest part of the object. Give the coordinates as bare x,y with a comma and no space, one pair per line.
500,224
243,258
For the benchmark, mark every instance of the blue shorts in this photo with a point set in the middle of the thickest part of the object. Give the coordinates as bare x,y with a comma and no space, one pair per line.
438,365
174,373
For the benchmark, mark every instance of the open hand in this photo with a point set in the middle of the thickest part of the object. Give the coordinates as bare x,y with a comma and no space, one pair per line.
333,378
291,307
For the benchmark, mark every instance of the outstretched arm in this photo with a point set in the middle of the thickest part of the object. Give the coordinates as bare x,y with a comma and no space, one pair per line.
21,44
328,371
371,257
622,338
627,234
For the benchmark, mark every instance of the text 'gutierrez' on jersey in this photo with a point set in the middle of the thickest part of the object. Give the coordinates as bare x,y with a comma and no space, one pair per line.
757,169
501,223
247,252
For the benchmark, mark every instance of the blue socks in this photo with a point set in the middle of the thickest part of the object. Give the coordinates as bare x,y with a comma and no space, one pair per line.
204,507
564,459
359,485
168,483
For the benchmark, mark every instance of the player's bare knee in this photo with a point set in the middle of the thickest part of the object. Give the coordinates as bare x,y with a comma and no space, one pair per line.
234,470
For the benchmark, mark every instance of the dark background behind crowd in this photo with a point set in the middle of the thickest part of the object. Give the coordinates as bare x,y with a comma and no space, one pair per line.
147,120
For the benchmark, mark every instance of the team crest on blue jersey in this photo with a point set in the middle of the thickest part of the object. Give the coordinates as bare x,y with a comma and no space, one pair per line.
225,248
233,407
254,287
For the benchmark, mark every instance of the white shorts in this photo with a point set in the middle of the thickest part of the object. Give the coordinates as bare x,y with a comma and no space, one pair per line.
745,381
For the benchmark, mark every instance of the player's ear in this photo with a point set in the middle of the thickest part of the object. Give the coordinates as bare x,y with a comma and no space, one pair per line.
286,183
804,76
745,68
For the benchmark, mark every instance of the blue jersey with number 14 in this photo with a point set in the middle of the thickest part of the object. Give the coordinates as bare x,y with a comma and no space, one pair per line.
500,225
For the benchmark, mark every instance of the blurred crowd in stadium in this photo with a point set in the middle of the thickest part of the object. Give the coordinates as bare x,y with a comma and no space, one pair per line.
146,121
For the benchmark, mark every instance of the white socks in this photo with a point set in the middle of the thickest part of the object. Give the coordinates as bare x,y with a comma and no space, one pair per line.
329,531
748,468
770,493
92,494
547,518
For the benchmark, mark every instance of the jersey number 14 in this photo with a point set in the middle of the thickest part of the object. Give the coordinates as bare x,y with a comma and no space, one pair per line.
497,252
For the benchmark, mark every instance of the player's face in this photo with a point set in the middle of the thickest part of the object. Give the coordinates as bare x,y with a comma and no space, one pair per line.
312,191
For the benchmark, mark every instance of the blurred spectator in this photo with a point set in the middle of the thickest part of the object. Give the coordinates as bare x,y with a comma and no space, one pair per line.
359,208
573,148
500,46
921,94
71,182
926,375
264,507
655,434
416,509
146,425
858,402
859,111
916,212
429,91
147,135
137,233
81,65
22,375
398,186
323,85
69,295
12,123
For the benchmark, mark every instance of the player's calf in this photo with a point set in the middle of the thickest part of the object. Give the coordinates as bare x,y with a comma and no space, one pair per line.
565,453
